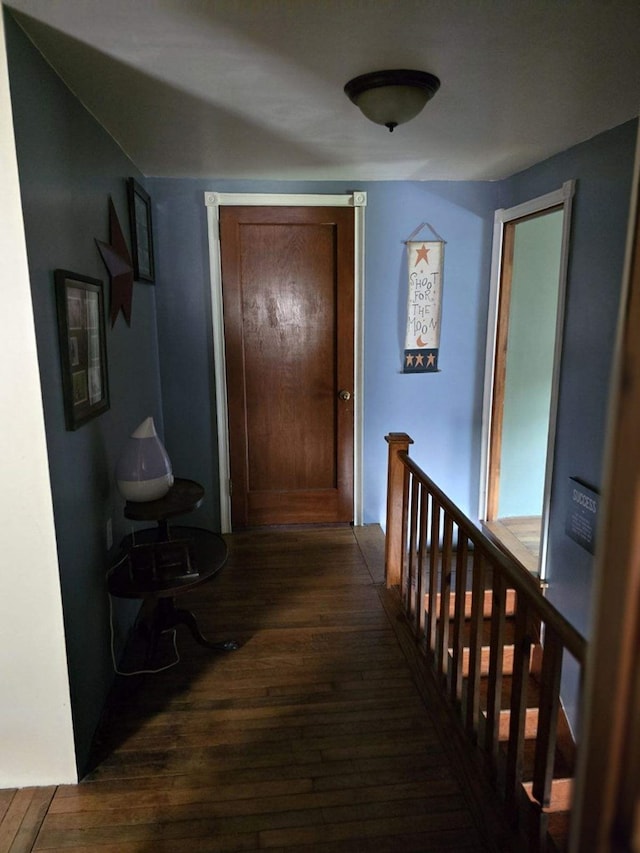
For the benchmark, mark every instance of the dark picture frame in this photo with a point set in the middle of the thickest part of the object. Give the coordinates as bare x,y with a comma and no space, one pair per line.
141,232
83,347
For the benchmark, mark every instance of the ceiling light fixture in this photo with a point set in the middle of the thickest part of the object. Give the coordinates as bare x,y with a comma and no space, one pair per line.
392,97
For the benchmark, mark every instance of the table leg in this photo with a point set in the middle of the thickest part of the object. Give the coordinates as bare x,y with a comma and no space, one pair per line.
167,616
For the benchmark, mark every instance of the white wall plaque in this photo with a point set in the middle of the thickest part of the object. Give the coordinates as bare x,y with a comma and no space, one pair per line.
424,305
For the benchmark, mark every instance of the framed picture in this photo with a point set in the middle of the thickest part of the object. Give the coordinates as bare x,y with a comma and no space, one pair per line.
83,348
141,232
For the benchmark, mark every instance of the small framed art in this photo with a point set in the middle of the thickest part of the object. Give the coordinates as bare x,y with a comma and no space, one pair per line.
83,348
141,231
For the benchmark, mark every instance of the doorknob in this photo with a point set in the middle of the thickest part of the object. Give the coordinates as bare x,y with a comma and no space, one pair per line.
344,395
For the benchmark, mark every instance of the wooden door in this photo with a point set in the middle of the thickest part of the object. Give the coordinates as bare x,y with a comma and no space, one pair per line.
288,297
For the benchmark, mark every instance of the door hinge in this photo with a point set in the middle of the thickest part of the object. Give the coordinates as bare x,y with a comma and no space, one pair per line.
230,487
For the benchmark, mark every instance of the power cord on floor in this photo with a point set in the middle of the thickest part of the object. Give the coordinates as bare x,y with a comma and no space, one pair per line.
113,653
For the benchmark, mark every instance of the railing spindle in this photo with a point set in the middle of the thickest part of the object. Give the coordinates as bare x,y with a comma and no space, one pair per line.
409,592
434,553
549,707
459,616
475,645
494,686
423,550
442,644
520,676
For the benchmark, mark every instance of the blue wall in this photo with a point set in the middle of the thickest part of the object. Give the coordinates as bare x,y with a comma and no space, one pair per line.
442,411
68,169
603,169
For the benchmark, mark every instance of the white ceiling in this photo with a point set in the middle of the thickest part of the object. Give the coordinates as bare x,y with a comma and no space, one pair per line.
254,88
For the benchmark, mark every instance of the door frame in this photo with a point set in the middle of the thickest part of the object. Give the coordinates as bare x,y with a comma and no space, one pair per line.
561,198
213,202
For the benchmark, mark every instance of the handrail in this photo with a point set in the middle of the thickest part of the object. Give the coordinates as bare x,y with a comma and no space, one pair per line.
452,580
572,639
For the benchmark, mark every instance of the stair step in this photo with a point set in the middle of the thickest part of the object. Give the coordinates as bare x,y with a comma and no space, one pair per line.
561,795
468,597
546,827
485,654
530,724
550,826
550,822
558,826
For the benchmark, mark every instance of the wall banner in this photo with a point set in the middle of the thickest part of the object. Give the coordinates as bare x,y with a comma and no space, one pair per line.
425,261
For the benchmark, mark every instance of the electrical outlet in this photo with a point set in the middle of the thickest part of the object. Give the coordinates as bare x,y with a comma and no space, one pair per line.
109,534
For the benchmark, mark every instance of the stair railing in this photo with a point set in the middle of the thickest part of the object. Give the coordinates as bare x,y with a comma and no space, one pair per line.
449,593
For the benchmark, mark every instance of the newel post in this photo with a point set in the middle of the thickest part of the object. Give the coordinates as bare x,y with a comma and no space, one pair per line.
397,486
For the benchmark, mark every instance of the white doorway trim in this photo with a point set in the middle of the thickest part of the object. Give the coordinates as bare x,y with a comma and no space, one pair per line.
213,202
561,197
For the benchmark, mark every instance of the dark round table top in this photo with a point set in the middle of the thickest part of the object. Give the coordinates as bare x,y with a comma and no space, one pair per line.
184,496
207,555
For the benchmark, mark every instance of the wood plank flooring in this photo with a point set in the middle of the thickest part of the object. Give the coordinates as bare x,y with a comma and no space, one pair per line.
520,536
311,737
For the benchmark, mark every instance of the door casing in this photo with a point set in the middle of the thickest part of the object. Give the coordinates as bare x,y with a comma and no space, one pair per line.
213,202
561,198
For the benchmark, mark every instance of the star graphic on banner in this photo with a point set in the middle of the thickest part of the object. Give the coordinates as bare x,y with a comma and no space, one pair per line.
117,260
422,255
419,360
409,360
431,360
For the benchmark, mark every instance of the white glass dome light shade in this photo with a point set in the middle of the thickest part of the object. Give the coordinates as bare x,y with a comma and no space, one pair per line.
143,471
392,105
391,98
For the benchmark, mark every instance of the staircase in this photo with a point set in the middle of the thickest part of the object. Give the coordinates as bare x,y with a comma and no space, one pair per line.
546,826
493,644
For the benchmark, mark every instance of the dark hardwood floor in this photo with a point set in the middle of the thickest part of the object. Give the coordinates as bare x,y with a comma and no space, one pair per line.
311,737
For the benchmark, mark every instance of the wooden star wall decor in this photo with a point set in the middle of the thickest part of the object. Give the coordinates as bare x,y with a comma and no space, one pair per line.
117,260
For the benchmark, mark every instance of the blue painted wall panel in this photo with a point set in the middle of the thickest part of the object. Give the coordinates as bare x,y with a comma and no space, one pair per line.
68,169
603,169
441,411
